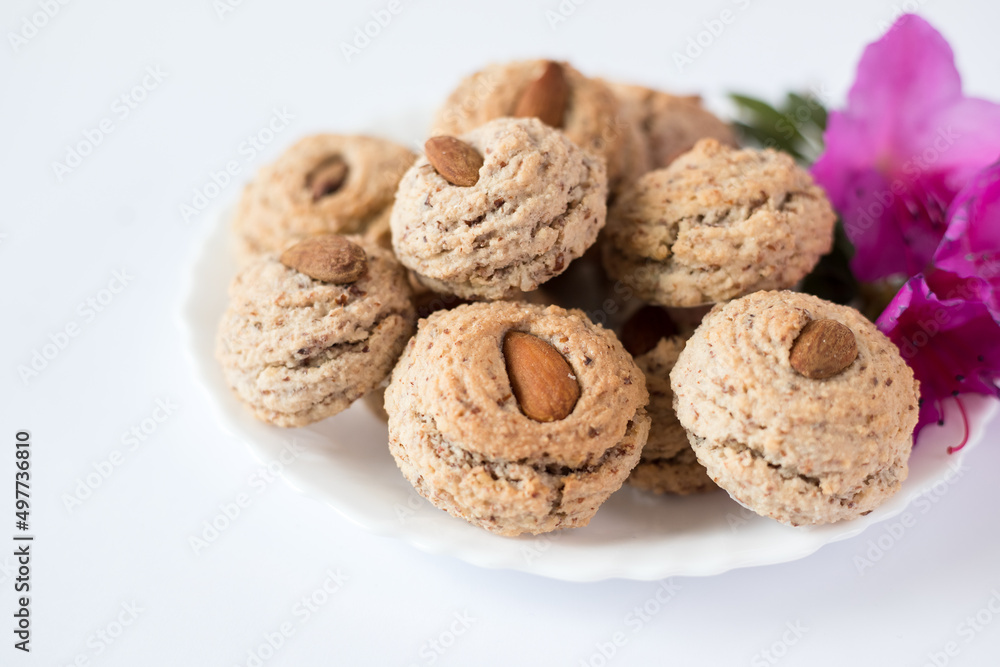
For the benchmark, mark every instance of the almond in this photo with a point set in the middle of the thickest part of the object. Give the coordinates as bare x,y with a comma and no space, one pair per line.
330,258
540,377
823,349
327,177
456,161
645,328
545,98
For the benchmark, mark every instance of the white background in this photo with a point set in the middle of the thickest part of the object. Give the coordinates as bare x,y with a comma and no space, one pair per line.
62,240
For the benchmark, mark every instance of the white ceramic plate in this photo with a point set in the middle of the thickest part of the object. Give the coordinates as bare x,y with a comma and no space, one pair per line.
346,463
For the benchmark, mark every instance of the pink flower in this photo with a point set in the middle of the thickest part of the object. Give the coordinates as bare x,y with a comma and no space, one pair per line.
907,142
971,244
947,335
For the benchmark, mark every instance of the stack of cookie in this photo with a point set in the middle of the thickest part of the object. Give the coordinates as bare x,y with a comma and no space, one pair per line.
519,415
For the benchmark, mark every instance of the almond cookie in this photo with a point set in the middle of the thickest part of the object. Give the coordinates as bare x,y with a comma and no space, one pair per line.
668,464
325,183
668,125
537,202
297,349
584,108
799,408
425,302
716,224
515,417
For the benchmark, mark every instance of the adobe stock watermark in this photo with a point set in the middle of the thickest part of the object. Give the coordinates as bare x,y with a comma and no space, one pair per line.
914,167
561,12
485,86
929,327
792,122
230,511
772,655
224,8
220,179
966,632
635,620
896,529
32,24
907,7
365,34
121,108
104,637
712,30
622,293
304,609
539,546
414,504
87,310
926,330
435,647
131,440
740,519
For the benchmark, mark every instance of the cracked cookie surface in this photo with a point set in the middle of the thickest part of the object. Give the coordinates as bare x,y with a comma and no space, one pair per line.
799,450
539,203
459,436
592,118
285,202
297,350
667,464
716,224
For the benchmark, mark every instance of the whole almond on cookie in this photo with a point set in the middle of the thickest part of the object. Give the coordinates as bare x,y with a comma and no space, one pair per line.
540,377
456,161
545,98
330,258
823,349
328,177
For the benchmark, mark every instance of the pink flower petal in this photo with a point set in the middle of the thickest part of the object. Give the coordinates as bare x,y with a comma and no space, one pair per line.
961,140
949,341
911,69
905,145
971,246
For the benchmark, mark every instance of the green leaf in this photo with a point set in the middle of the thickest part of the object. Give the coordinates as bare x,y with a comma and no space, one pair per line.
832,279
766,139
817,113
769,119
801,135
756,107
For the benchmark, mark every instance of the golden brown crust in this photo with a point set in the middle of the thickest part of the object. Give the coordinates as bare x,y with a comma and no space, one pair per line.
297,350
716,224
666,437
538,204
278,206
668,464
590,119
459,436
800,450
